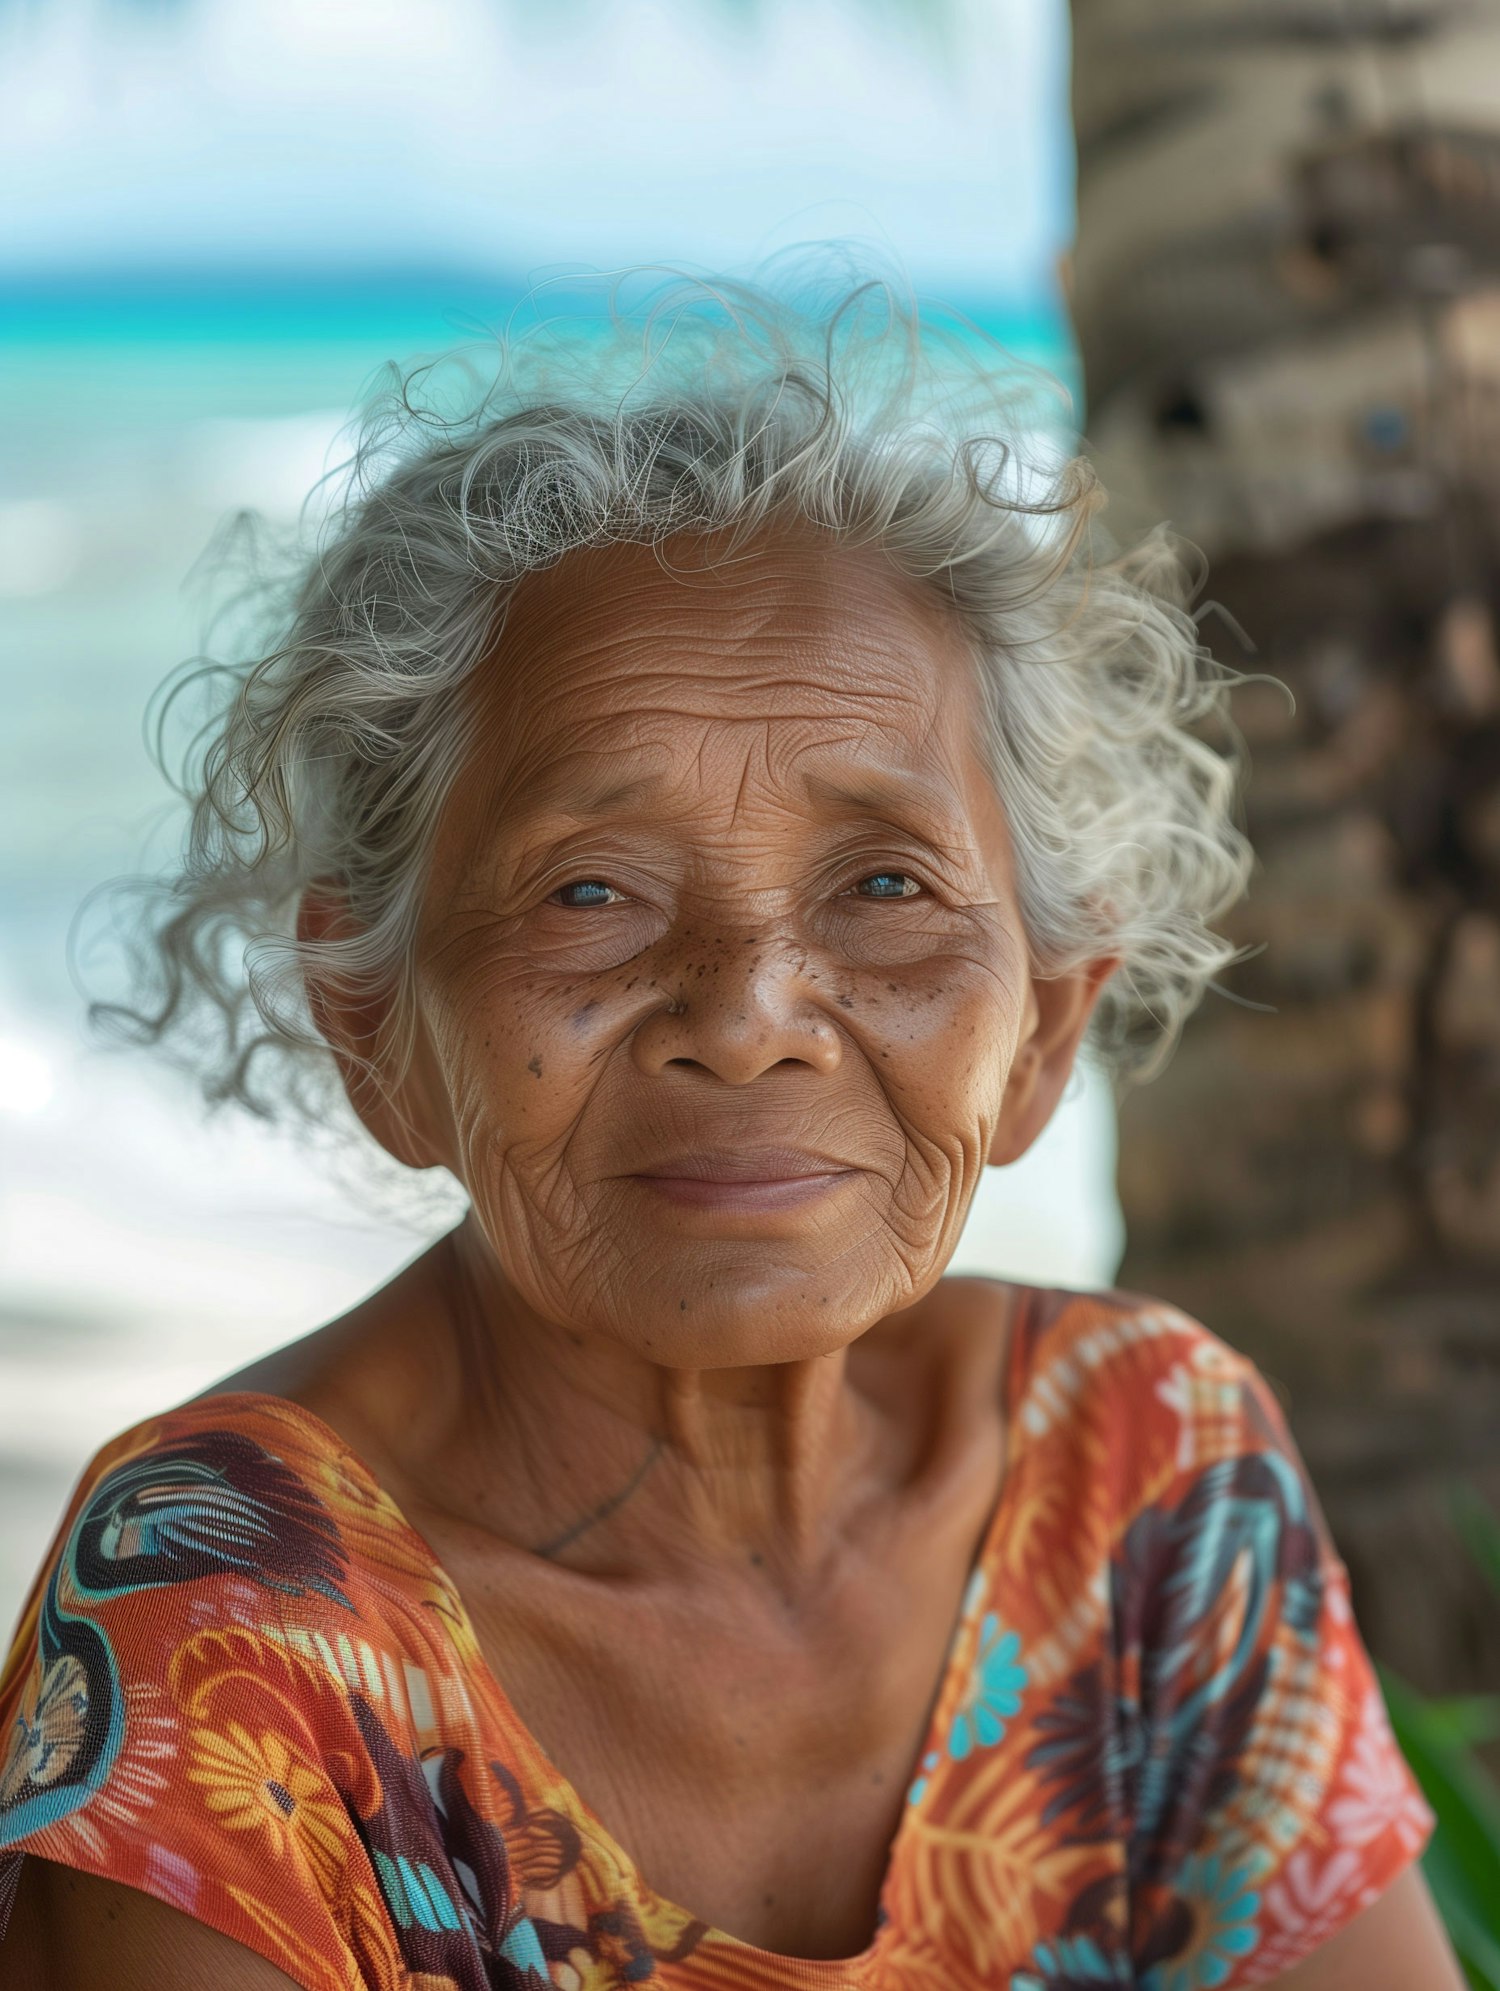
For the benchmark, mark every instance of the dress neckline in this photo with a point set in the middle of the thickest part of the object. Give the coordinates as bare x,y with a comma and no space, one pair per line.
812,1973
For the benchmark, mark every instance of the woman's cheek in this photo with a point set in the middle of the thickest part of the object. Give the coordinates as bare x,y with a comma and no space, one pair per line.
481,1036
941,1041
946,1000
538,1062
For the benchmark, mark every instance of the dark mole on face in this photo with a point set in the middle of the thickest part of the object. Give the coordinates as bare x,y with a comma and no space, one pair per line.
581,1016
534,1064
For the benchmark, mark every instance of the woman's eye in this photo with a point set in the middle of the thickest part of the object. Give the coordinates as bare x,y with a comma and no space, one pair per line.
888,885
585,892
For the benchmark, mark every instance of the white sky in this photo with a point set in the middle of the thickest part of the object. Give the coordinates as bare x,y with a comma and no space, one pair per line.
530,133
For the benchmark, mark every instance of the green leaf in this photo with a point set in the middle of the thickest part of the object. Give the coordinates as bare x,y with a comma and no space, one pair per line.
1478,1952
1462,1861
1468,1719
1479,1525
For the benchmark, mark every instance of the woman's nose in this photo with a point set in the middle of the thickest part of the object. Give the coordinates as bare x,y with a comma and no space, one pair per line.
749,1006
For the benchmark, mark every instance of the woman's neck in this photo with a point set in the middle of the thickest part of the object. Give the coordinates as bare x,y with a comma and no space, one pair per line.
575,1448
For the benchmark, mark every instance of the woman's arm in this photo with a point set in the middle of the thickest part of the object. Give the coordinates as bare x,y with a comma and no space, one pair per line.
72,1931
1396,1944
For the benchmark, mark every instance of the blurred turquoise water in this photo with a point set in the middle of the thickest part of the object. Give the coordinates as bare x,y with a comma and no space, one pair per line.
396,311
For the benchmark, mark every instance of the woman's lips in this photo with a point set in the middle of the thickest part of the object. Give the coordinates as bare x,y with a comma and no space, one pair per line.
744,1178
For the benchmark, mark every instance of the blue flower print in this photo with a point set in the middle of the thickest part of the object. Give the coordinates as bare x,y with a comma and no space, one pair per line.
1068,1963
920,1782
993,1692
1224,1908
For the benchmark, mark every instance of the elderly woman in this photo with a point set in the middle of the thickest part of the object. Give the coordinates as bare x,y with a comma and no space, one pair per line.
708,813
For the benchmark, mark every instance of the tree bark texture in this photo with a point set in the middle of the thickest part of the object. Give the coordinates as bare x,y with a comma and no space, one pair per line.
1286,289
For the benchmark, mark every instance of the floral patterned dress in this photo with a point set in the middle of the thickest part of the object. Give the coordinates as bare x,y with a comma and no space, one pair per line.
1157,1754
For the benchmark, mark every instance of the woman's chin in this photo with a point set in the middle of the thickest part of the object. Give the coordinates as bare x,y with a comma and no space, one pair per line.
731,1316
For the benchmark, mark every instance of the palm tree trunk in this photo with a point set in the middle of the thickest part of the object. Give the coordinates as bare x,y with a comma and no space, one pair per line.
1286,288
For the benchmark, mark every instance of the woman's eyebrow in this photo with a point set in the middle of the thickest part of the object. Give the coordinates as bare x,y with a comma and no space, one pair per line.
914,800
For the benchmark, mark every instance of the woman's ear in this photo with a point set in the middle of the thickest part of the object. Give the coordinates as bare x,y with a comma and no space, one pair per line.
397,1111
1057,1014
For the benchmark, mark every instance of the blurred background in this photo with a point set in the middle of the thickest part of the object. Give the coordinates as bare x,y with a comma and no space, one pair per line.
1259,239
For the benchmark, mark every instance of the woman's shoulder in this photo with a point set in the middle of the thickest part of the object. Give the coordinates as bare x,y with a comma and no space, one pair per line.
1170,1611
1143,1418
226,1522
216,1657
237,1486
1072,1347
1109,1389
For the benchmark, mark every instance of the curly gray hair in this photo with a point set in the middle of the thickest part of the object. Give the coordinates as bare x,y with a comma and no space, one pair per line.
712,407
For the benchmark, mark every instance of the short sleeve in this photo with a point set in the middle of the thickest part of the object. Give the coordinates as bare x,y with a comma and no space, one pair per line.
1267,1800
157,1728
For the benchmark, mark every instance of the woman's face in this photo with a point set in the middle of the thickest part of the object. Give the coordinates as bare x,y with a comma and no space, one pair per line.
721,978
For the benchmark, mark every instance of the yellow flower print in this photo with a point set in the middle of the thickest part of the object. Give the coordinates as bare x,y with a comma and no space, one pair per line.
263,1784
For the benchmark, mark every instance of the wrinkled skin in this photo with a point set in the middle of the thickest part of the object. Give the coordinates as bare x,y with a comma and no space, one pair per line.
723,875
734,754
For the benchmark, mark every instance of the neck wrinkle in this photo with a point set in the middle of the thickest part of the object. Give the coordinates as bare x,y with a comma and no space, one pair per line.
734,1467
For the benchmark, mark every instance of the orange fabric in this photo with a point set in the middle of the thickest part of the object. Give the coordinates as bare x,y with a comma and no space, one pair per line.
1157,1756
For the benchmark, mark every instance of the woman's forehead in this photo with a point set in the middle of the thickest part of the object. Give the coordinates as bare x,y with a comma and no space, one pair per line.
799,638
781,690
